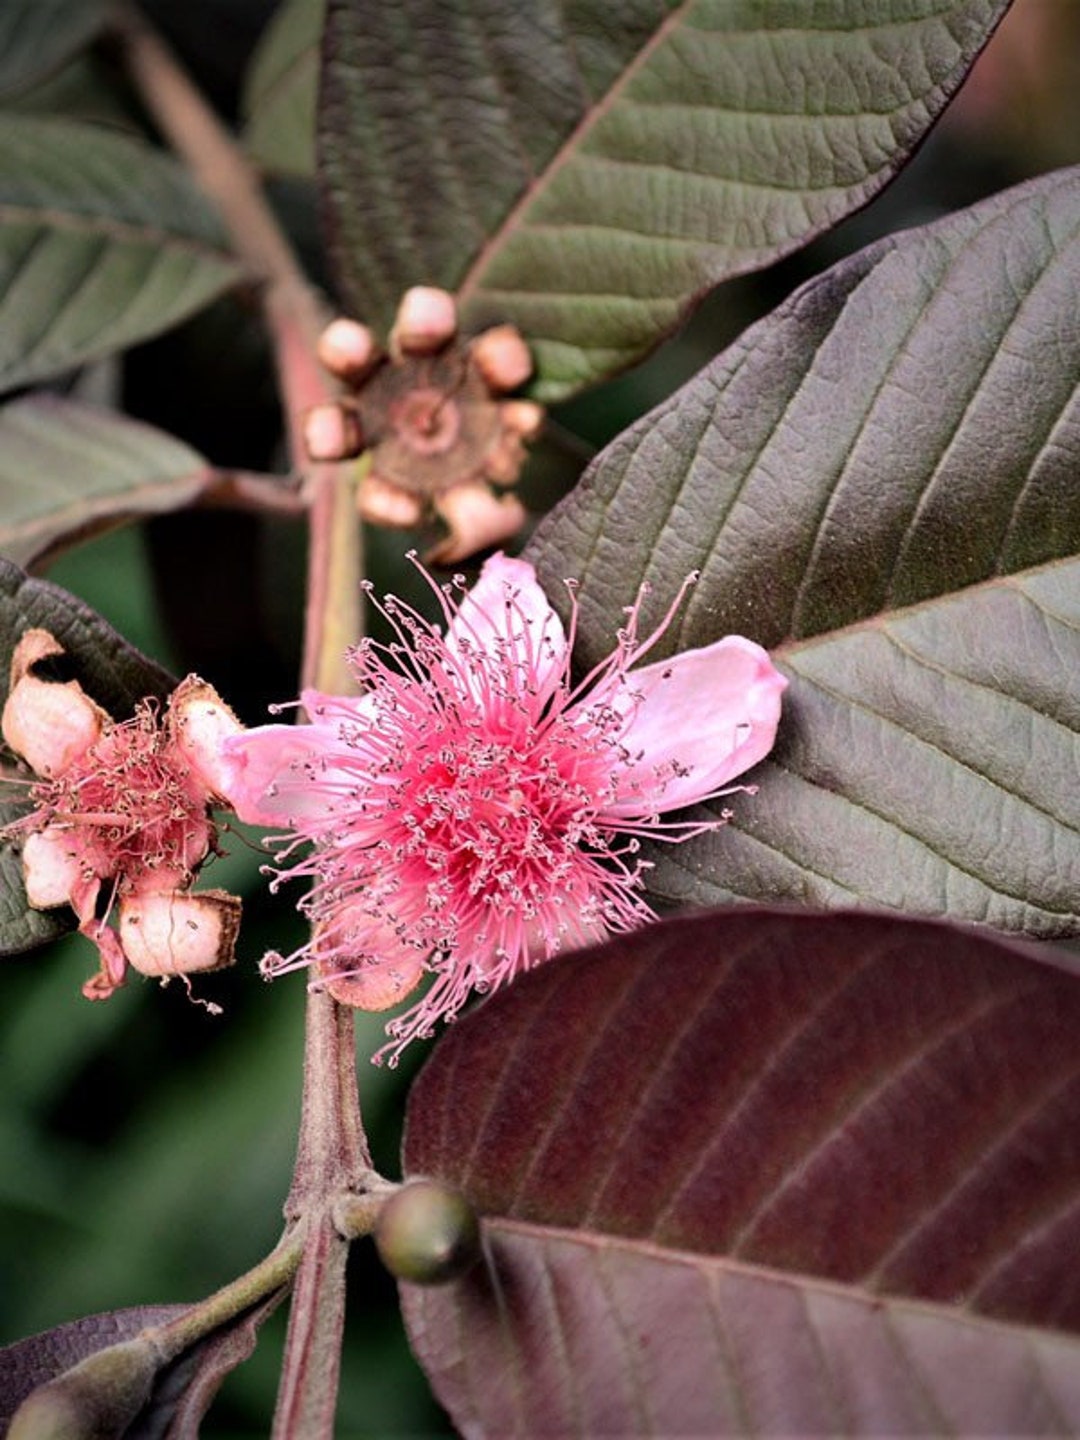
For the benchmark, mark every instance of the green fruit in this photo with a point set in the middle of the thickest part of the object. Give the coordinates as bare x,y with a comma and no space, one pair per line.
427,1233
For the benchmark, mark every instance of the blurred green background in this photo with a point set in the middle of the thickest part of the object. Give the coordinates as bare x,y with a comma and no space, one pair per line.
146,1146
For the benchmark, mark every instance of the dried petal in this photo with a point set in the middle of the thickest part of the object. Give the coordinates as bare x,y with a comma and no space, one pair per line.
179,933
51,867
199,722
48,722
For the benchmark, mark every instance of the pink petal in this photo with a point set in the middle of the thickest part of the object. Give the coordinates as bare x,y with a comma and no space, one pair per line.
279,774
696,721
507,611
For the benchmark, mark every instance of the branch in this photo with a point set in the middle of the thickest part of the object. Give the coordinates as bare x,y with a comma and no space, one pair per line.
332,1154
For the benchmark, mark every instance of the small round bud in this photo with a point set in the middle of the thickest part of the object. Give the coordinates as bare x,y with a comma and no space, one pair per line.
502,357
426,321
381,502
332,432
100,1396
427,1233
347,349
522,417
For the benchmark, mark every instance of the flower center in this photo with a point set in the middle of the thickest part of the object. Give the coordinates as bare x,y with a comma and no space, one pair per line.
131,806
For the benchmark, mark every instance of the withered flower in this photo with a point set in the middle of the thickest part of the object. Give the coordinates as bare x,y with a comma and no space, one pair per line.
122,823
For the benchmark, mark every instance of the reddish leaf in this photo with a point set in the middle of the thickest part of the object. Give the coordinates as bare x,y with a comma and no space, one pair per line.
39,1358
768,1132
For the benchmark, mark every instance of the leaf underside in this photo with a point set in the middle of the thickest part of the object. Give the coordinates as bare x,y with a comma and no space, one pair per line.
104,242
281,89
587,172
37,36
765,1172
878,480
68,470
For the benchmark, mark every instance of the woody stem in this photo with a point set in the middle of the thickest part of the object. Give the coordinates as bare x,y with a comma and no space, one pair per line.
332,1154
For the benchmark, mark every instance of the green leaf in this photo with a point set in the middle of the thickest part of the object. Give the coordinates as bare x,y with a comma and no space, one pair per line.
68,470
109,669
855,479
281,87
37,36
587,173
103,243
762,1172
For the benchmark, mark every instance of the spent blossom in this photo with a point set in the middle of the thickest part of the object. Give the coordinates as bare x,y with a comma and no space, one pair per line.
121,820
474,811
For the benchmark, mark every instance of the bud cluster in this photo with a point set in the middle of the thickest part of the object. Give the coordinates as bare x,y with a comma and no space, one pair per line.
432,412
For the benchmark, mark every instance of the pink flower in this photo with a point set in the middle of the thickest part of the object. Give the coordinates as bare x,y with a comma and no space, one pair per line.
473,811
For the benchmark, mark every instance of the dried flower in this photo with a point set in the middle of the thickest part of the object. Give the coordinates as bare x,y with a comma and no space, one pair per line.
432,414
121,818
473,811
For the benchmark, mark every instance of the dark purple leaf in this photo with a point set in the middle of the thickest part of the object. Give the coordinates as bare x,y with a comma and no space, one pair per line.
39,1358
826,1149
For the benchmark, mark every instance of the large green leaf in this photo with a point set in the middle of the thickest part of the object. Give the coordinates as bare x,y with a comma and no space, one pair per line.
281,87
109,669
855,479
67,470
588,171
37,36
762,1172
103,242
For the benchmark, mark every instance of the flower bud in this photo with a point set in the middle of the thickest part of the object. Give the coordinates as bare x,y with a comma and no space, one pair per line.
502,357
347,349
332,432
427,1233
426,321
96,1398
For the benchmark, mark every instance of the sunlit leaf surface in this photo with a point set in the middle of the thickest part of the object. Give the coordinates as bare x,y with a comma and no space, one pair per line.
879,480
103,242
67,469
588,171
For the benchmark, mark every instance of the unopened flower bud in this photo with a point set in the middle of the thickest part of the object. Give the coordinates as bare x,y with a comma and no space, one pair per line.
347,349
502,357
96,1398
522,417
426,321
332,432
476,519
427,1233
382,503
